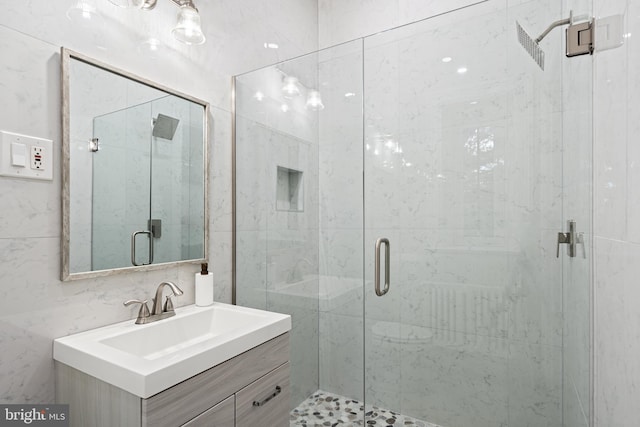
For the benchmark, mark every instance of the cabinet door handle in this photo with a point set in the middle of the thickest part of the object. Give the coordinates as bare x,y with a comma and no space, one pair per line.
264,402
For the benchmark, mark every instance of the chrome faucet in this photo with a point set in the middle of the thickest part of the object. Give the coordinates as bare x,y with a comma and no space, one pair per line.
168,306
159,312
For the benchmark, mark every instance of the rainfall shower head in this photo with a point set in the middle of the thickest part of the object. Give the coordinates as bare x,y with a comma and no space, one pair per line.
530,45
165,126
580,38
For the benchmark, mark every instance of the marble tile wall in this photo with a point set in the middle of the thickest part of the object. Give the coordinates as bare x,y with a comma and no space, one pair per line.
36,306
616,221
344,20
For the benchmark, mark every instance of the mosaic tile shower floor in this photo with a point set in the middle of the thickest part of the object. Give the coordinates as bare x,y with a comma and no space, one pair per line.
325,409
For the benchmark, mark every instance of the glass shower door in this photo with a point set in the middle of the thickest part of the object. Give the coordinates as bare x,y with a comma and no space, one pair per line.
121,186
148,176
463,170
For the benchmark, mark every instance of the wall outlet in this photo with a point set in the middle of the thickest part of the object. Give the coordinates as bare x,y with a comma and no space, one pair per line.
37,154
38,150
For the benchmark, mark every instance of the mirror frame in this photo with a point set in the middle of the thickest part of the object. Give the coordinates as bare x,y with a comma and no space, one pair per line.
66,275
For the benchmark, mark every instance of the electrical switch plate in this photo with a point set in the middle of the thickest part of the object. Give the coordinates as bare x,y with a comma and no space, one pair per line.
18,154
24,156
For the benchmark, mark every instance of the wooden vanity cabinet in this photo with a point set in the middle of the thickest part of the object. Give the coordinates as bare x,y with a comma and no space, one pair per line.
221,415
222,396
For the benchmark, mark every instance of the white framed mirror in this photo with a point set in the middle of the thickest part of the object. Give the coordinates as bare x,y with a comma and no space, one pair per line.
135,172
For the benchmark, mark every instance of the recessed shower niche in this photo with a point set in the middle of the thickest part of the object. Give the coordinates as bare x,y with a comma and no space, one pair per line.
289,190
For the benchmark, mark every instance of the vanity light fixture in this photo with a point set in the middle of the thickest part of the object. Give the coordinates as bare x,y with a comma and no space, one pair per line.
188,29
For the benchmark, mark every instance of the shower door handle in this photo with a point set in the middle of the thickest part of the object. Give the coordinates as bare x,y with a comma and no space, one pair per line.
387,265
133,247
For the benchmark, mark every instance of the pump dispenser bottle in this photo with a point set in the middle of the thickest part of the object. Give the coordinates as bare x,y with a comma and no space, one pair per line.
204,287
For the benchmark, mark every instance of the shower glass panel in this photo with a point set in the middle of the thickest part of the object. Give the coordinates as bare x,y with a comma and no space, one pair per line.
447,139
177,181
299,212
121,202
140,175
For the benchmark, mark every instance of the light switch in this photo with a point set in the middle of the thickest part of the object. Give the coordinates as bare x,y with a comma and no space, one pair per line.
18,154
23,156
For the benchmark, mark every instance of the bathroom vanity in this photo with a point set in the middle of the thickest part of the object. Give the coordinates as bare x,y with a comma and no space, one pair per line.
105,385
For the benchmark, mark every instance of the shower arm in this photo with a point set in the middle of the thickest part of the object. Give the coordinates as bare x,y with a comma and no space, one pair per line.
554,25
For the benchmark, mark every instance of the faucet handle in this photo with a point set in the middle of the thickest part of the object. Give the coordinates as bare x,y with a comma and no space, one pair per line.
143,314
168,305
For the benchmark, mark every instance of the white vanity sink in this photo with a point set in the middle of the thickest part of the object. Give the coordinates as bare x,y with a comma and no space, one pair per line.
146,359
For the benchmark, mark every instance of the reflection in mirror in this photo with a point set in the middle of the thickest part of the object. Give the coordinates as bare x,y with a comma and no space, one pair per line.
135,172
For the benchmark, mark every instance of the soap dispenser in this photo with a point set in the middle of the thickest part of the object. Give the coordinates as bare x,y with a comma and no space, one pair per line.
204,287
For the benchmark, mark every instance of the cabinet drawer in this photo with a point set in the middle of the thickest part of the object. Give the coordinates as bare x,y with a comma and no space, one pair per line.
221,415
178,404
272,394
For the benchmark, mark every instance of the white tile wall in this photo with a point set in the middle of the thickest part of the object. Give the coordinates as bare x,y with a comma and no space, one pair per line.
616,223
344,20
38,307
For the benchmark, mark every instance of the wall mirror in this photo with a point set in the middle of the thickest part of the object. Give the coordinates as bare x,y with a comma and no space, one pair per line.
135,172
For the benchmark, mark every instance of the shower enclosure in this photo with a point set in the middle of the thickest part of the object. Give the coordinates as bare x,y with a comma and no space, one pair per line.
439,160
146,176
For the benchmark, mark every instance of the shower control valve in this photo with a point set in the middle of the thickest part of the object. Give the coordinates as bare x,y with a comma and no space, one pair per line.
572,238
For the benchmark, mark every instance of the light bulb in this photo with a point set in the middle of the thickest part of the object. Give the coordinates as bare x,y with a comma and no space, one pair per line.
291,88
188,29
314,101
